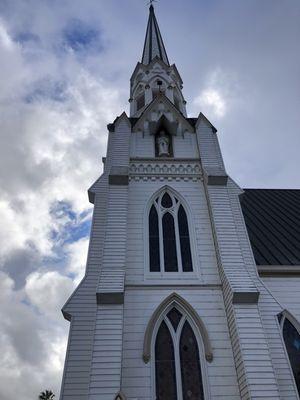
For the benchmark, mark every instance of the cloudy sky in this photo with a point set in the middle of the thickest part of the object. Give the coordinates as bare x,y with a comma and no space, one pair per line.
64,74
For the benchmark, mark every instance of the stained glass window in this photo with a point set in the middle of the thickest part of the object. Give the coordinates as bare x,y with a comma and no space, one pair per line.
186,255
169,240
154,240
165,373
174,316
166,201
192,386
292,342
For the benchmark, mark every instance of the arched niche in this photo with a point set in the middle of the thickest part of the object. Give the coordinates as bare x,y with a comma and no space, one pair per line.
175,299
168,129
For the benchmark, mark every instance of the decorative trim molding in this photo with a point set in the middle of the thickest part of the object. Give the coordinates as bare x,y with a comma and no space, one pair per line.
164,159
176,299
178,285
164,179
287,315
165,170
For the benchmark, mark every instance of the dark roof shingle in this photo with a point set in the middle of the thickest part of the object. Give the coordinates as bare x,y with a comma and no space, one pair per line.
272,218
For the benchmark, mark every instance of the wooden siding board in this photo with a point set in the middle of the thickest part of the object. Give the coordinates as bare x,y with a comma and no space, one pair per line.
138,308
269,307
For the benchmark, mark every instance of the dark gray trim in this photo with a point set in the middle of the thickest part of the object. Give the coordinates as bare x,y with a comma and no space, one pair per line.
245,297
66,315
110,298
91,196
111,127
278,270
118,175
217,180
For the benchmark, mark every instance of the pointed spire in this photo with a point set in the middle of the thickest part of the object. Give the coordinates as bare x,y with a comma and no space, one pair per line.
154,45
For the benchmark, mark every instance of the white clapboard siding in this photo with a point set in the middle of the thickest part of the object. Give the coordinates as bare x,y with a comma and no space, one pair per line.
236,279
82,308
287,291
241,318
269,305
107,350
140,305
140,194
107,353
184,146
209,148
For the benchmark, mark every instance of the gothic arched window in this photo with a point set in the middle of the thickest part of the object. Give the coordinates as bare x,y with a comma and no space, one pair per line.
177,364
291,337
169,238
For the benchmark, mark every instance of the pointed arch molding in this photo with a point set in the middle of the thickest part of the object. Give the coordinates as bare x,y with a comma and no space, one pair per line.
120,396
286,314
174,298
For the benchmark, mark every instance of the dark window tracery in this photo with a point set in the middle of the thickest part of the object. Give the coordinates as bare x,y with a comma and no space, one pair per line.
169,238
170,252
192,386
291,338
154,240
174,317
165,374
166,201
186,255
177,363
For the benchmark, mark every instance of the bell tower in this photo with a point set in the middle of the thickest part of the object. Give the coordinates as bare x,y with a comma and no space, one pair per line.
171,305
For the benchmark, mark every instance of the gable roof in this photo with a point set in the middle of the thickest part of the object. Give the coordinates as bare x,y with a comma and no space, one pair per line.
163,98
272,218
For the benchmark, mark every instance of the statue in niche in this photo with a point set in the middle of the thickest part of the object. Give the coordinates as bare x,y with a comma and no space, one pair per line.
163,144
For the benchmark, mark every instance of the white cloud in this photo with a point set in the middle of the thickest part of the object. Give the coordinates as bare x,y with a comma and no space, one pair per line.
32,347
54,111
213,100
48,291
77,252
5,39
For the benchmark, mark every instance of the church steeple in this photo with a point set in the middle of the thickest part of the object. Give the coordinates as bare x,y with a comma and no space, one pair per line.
154,76
154,45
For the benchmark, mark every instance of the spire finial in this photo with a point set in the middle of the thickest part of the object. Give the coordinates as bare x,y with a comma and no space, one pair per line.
154,46
151,3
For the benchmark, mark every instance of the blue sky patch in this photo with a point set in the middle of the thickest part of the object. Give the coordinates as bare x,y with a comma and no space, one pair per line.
26,37
47,89
73,226
79,36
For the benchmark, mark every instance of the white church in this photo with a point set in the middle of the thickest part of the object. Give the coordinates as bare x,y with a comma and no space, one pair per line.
192,284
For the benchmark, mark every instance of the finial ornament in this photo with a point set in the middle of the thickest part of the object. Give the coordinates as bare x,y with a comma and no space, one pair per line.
151,2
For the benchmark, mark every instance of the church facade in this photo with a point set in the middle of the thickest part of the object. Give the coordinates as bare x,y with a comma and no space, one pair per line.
190,290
